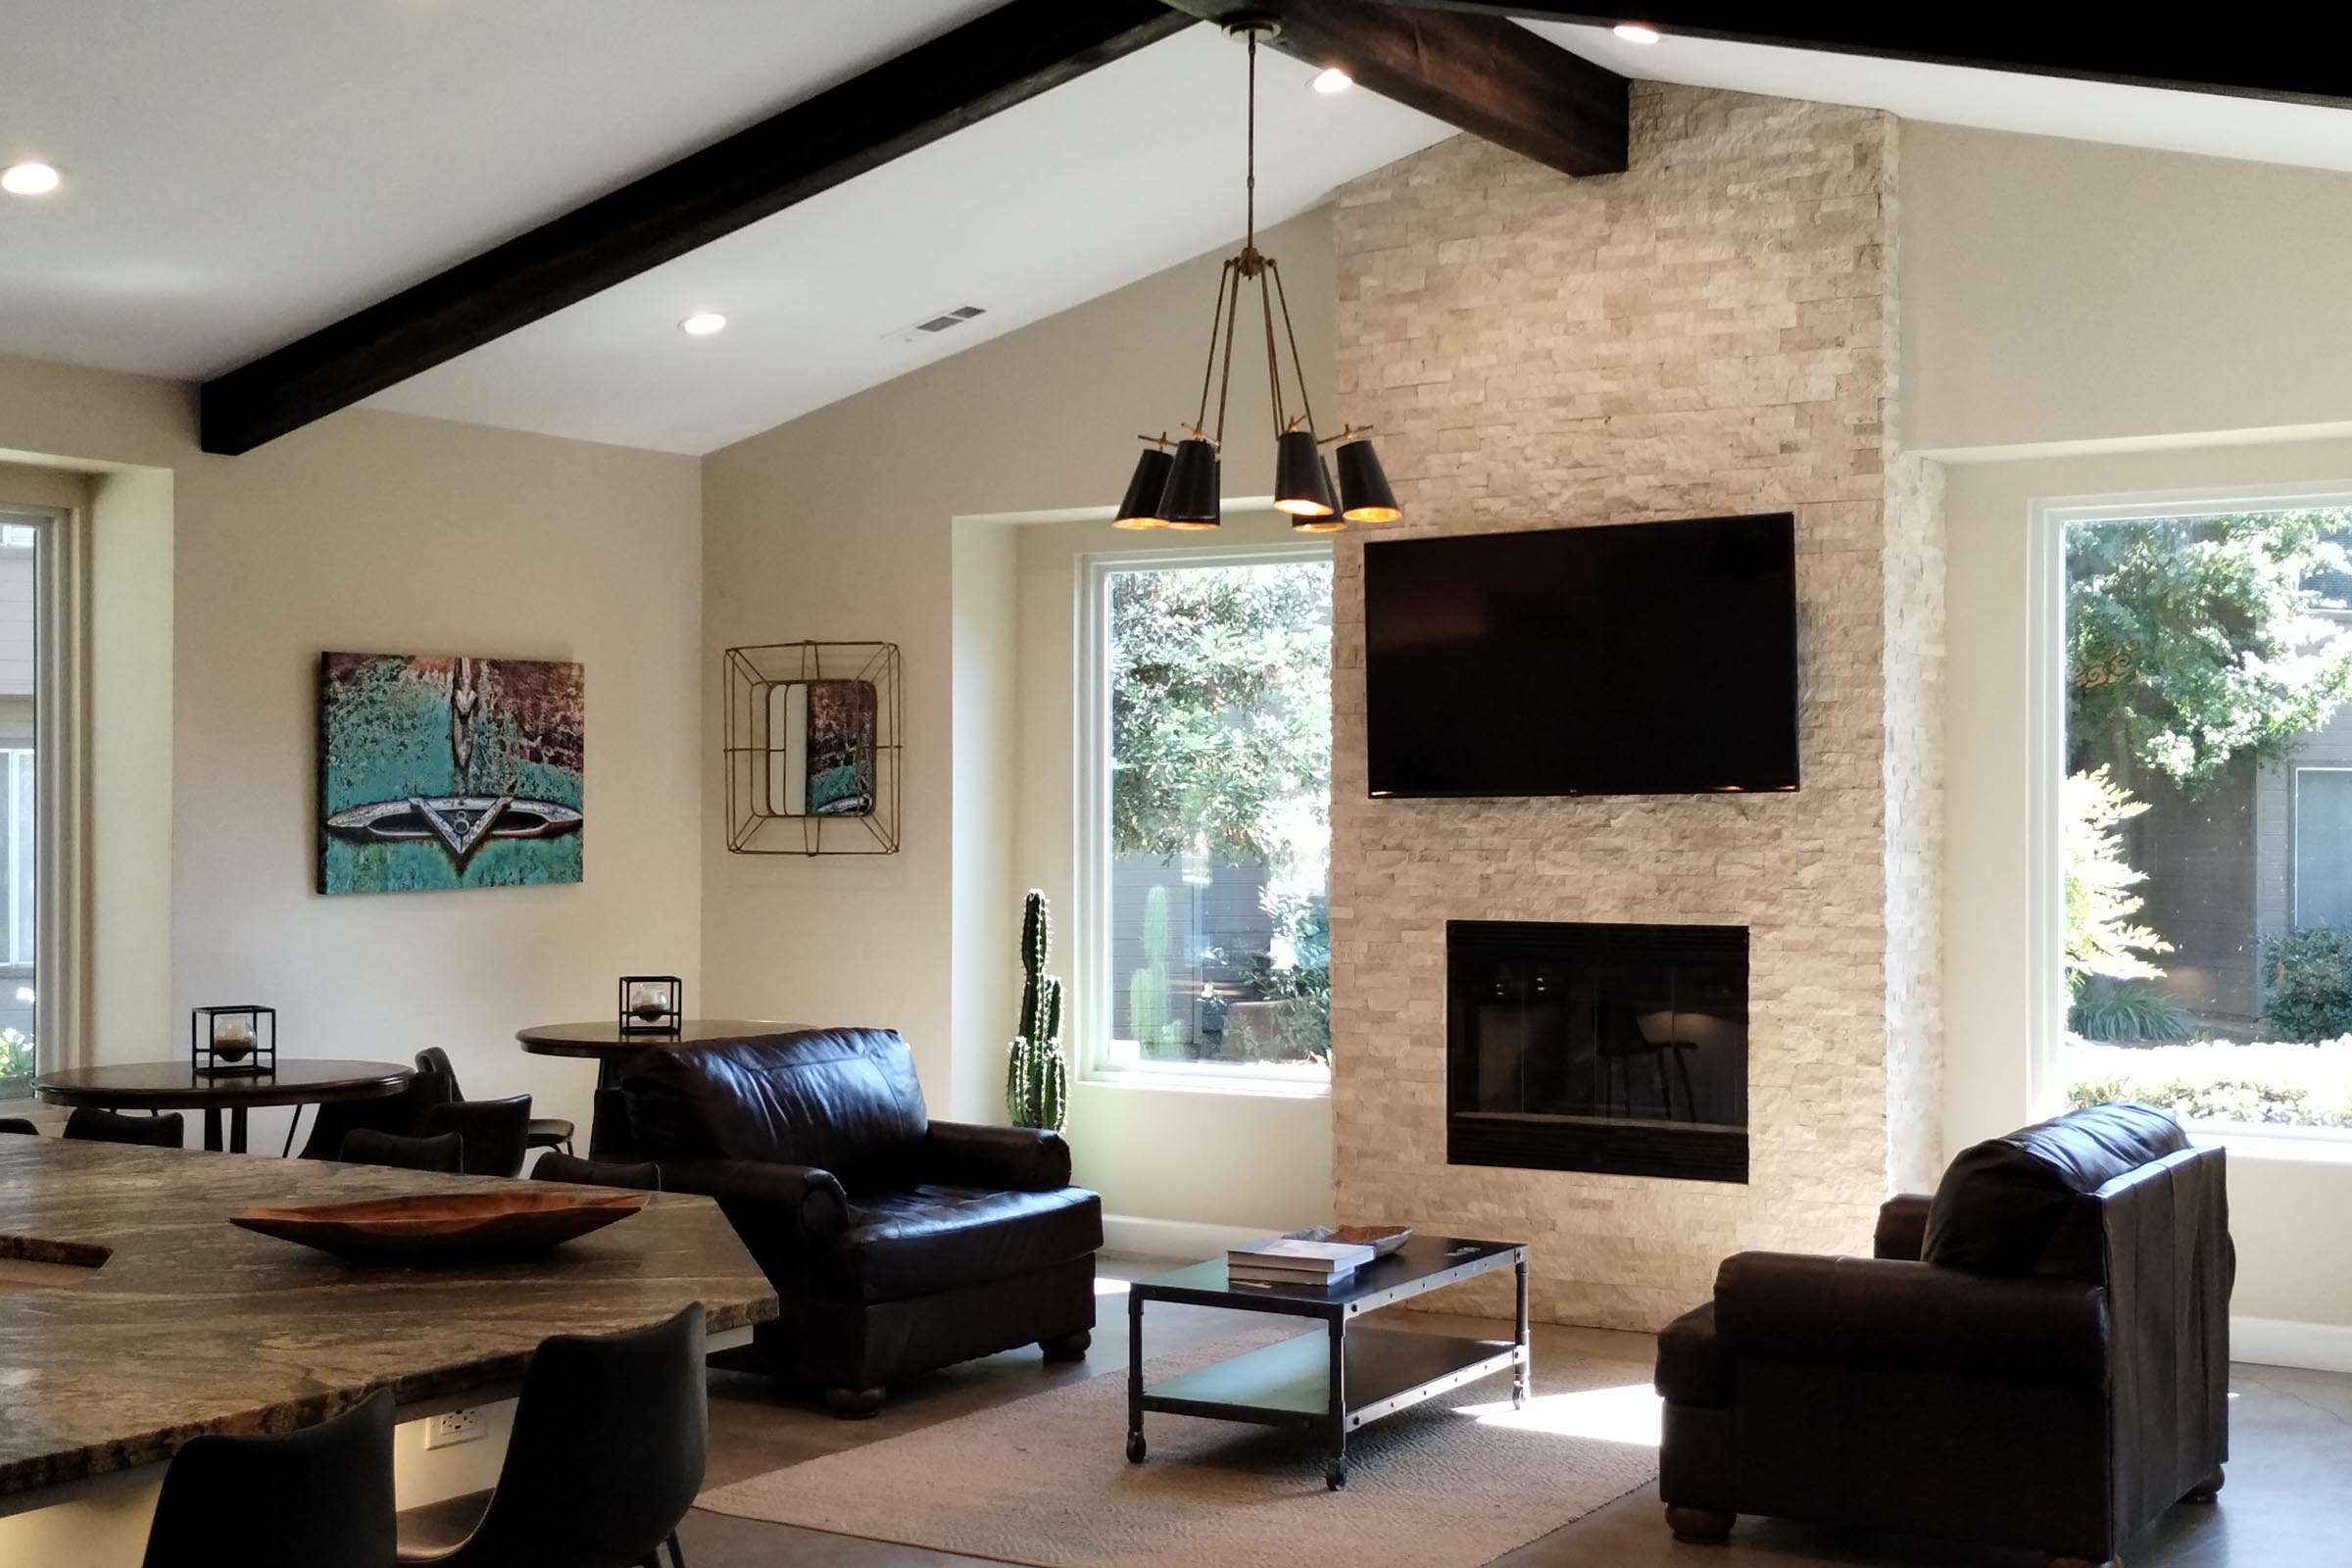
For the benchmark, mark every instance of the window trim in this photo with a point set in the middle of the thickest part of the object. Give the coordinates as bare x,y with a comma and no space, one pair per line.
55,620
1090,855
2045,756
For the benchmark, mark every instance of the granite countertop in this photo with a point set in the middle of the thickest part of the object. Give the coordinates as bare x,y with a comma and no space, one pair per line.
194,1325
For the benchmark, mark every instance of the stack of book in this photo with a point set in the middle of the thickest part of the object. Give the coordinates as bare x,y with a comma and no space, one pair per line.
1315,1265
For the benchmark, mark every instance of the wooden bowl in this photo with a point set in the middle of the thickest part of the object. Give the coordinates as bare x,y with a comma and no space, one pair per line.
1382,1238
444,1227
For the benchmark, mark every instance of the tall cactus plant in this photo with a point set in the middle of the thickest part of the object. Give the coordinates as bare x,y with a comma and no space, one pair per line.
1037,1077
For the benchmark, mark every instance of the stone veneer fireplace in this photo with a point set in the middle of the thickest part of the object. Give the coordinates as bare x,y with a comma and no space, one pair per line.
1597,1047
1709,334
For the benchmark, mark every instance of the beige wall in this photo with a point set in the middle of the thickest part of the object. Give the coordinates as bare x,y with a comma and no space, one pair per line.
842,524
1175,1157
381,531
2060,291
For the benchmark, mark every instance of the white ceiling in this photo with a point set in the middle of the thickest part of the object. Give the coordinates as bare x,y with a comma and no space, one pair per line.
1105,181
1996,100
242,171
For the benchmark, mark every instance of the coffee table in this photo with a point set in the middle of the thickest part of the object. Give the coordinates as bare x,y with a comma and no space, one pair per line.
1343,1379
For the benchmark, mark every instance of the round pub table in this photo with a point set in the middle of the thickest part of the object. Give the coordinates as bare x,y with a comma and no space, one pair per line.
178,1086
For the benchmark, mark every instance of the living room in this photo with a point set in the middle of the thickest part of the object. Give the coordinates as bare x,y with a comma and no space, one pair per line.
2034,352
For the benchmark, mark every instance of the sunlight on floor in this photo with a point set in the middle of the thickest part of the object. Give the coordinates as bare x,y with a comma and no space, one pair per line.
1627,1414
1109,1286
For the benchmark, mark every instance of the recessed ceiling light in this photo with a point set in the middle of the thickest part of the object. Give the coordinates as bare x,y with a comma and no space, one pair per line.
29,179
1332,79
702,323
1636,33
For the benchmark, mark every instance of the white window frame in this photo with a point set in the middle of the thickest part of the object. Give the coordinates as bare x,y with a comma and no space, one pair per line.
1092,852
44,538
2045,586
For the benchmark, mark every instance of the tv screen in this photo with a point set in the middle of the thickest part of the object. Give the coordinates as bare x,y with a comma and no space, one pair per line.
1644,658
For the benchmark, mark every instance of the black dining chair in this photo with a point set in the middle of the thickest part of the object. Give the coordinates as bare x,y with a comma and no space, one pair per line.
642,1174
494,1131
17,1124
402,1113
605,1460
282,1499
365,1146
114,1127
546,1132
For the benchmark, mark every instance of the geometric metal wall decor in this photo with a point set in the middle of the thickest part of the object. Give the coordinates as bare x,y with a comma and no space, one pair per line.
813,749
448,772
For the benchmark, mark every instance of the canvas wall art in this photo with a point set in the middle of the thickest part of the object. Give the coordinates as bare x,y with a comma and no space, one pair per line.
821,735
448,772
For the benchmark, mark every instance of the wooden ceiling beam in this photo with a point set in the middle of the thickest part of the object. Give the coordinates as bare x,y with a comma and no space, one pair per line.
2281,61
1003,57
1481,74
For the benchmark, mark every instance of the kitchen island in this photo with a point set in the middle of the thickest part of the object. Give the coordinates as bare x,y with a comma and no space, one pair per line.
135,1317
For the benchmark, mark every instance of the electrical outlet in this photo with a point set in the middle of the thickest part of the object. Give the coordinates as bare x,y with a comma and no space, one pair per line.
458,1426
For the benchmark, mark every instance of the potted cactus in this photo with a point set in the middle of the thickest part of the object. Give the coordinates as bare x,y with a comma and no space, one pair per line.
1037,1078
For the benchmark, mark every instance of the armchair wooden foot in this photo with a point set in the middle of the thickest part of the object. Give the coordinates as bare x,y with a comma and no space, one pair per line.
853,1404
1704,1526
2086,1562
1067,1346
2203,1491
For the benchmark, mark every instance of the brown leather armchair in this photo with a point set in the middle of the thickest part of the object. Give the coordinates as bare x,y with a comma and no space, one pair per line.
896,1244
2037,1356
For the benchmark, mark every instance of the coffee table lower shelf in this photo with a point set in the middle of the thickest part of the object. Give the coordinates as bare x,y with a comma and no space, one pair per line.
1288,1384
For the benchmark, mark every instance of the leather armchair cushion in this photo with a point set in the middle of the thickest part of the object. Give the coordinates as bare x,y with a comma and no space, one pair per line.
844,1100
1846,1311
2002,1203
935,1238
1902,1227
970,1155
1693,1369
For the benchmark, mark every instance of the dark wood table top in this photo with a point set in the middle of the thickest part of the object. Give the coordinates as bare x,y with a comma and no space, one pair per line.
192,1325
604,1037
178,1086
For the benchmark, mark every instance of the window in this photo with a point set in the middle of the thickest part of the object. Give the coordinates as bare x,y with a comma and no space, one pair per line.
2205,814
20,820
1205,847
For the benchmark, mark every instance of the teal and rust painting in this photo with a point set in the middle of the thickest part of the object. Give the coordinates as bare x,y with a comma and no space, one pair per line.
448,772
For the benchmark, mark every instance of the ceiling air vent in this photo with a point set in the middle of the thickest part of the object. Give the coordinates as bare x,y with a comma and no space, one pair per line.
931,326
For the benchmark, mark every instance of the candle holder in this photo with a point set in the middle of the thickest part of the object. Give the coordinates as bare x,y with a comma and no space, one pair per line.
652,1004
230,1042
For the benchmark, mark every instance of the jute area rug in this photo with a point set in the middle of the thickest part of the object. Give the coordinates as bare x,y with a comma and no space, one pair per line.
1045,1481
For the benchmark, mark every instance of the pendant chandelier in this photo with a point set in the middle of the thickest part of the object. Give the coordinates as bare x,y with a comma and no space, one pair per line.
1177,483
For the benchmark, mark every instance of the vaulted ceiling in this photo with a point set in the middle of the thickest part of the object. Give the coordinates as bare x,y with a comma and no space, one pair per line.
240,176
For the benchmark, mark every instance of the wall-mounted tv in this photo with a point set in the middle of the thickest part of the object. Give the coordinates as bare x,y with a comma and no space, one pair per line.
1641,659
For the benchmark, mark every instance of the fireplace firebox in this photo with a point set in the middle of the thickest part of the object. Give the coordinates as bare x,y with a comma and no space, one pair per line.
1602,1048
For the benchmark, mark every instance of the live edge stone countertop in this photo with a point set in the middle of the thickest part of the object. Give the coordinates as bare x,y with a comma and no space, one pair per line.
191,1325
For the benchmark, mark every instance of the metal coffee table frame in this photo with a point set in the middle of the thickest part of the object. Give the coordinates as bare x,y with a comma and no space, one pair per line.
1352,1375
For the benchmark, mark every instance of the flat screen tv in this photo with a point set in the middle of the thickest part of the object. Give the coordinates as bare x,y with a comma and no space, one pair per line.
1643,659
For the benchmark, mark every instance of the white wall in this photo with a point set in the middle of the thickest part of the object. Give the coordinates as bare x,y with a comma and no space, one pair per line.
842,525
375,531
2085,322
2062,291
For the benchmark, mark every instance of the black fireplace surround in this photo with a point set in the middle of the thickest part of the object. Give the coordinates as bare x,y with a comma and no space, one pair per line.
1604,1047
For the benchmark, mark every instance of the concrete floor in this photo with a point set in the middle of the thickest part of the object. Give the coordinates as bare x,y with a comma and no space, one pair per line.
2289,1500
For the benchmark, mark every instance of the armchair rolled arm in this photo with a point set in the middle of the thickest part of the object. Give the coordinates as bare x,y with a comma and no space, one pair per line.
1021,1159
758,1198
1902,1231
1850,1312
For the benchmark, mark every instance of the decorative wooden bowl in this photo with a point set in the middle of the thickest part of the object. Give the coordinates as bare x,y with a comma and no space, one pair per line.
1382,1238
444,1227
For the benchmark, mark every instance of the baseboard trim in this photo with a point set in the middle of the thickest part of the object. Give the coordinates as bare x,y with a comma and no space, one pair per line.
1174,1238
2281,1342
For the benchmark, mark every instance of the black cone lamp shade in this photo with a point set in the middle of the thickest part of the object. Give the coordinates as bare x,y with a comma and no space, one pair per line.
1364,493
1301,486
1141,509
1190,500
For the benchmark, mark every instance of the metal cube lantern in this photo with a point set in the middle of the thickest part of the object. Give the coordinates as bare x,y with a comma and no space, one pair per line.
652,1004
238,1040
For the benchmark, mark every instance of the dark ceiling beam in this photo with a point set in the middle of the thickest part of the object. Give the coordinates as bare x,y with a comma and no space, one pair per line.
2278,59
997,59
1481,74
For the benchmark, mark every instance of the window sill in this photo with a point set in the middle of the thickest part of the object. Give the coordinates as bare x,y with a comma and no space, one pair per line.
2315,1147
1210,1083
